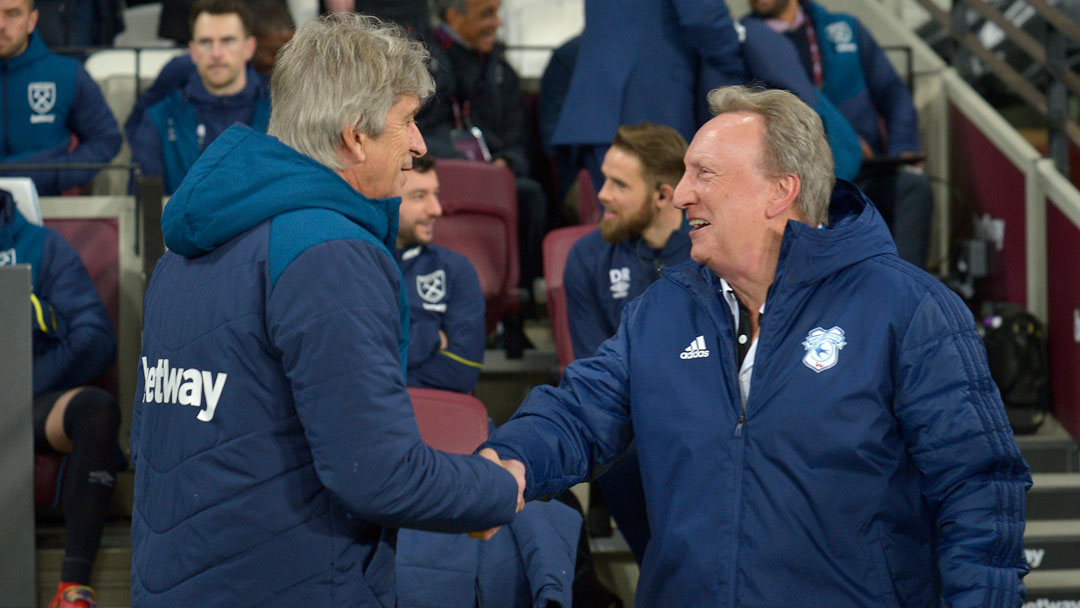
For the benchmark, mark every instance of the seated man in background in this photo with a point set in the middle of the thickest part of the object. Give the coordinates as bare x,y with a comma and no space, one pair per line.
446,304
73,344
175,131
476,87
640,233
52,111
272,26
852,71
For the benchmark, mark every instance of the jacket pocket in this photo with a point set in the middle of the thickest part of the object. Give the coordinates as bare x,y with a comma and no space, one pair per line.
881,574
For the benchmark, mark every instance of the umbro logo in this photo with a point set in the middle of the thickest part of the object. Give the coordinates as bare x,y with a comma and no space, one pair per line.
696,350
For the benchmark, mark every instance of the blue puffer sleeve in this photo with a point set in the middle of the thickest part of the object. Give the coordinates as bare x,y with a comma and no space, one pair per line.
334,316
457,367
956,431
82,346
707,26
890,96
565,434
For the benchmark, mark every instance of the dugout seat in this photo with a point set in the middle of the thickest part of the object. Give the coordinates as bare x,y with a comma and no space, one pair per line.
449,421
479,221
557,246
589,211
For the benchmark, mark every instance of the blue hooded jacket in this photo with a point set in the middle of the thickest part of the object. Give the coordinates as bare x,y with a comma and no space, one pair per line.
274,441
174,131
73,336
47,99
871,465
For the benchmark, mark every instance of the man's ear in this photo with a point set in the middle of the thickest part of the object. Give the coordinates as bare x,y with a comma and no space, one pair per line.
663,195
785,191
249,47
354,144
32,22
453,18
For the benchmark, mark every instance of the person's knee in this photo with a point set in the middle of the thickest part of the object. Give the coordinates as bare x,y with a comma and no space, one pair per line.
95,410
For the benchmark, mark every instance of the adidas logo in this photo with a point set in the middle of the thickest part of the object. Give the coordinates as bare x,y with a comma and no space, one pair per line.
696,350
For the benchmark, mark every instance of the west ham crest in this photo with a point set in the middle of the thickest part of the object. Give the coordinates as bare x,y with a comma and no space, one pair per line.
42,96
432,286
840,34
823,348
7,257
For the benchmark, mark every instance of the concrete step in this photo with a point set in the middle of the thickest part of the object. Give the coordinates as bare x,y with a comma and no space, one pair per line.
1054,496
1052,544
1050,454
1053,589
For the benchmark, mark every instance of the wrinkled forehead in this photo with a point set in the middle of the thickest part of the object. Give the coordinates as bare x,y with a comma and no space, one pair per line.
731,133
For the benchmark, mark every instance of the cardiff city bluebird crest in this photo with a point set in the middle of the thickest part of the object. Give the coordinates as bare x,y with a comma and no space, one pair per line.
432,286
823,348
42,96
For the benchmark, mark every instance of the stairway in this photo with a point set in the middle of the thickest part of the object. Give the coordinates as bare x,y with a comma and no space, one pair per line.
1052,536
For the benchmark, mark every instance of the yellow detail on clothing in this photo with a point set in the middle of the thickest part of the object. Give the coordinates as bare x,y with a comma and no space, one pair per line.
460,359
40,315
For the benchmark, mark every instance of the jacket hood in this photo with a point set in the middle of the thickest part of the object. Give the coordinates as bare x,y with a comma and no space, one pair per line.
35,49
856,231
245,177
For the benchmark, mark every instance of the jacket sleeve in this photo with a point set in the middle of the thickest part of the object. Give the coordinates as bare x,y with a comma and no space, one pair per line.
436,118
174,75
890,96
333,315
457,368
567,434
81,345
93,123
707,26
511,137
973,477
588,328
146,149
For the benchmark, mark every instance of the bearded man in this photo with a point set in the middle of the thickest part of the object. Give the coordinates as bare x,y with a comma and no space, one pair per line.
641,232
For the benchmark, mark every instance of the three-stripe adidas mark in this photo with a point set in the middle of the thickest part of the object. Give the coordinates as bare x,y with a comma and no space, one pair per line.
696,350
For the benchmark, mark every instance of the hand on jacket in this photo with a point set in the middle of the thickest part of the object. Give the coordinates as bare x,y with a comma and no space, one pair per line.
515,468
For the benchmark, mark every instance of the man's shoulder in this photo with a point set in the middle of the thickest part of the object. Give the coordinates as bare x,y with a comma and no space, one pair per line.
294,232
591,244
449,257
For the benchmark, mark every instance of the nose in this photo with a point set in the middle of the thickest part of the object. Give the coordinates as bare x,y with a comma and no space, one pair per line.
416,141
434,208
604,196
683,195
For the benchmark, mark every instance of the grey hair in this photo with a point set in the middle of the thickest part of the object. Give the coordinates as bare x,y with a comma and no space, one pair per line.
441,6
795,142
342,69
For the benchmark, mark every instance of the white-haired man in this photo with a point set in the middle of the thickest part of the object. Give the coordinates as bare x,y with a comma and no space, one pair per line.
814,417
274,441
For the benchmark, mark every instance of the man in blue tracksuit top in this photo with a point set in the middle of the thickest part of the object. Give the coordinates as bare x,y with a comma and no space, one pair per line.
273,439
446,304
49,102
176,130
73,344
852,71
640,234
815,418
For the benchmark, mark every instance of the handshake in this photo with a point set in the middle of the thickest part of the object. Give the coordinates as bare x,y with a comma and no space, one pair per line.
516,469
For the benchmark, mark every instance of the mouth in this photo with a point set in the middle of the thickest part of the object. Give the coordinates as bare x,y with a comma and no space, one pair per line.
696,224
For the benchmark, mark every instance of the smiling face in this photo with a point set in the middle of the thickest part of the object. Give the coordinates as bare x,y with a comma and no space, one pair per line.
381,172
17,22
220,50
419,208
726,194
477,25
629,202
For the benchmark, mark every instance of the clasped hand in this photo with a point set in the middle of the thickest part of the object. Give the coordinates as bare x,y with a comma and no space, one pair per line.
515,468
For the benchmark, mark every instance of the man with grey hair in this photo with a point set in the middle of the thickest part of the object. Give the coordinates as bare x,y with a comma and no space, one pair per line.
279,320
815,419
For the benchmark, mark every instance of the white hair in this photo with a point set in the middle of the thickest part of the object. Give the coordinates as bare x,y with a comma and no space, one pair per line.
343,69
